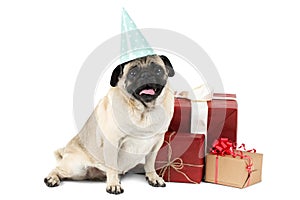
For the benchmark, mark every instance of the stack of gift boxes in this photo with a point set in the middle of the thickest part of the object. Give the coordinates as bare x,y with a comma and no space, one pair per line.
212,156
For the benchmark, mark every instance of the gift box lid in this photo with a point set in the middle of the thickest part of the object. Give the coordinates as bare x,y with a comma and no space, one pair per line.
221,101
182,142
224,95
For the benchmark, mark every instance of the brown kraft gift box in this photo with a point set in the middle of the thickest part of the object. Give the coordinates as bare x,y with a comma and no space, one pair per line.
230,171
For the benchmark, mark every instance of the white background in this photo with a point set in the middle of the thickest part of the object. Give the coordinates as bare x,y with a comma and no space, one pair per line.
255,46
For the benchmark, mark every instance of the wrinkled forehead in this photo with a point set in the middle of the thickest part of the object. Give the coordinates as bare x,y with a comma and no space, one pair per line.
144,62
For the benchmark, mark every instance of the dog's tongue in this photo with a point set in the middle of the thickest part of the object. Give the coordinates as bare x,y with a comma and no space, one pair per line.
148,91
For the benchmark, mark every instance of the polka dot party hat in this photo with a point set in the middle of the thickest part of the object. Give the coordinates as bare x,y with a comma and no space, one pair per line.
133,43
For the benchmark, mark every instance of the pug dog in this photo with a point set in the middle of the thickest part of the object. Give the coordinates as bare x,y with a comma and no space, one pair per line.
126,128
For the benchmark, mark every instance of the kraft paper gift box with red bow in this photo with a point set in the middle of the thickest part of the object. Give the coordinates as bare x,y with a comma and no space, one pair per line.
181,158
236,168
221,119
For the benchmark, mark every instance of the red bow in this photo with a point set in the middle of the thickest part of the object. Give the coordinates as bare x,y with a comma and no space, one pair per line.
224,146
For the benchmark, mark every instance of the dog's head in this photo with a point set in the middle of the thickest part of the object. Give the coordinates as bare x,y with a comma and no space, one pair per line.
143,78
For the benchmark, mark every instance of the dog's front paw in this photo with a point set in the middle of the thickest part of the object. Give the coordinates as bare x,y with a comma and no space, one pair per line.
52,181
114,189
154,180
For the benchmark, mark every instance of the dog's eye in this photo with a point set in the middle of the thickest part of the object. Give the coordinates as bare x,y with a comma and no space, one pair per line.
133,72
158,71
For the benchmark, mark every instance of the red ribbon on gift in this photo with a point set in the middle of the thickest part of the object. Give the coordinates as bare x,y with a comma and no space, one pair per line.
224,146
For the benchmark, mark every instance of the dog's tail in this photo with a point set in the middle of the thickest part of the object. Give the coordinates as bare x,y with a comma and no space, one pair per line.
59,154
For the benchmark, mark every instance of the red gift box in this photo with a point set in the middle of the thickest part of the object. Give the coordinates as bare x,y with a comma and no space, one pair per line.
222,118
181,158
221,122
181,121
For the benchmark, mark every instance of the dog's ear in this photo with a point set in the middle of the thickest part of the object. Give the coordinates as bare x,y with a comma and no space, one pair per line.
168,65
117,73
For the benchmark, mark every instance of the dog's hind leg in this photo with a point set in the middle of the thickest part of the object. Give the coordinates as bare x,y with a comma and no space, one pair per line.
72,165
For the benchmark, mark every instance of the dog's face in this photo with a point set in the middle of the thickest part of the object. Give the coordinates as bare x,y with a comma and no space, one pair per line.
143,78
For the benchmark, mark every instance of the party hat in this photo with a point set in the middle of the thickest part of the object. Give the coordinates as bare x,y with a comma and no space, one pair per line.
133,43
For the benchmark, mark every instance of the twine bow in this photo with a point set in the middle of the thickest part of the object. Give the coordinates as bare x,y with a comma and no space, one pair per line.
177,164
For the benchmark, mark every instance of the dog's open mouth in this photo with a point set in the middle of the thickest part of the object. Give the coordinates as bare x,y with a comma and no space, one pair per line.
149,91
